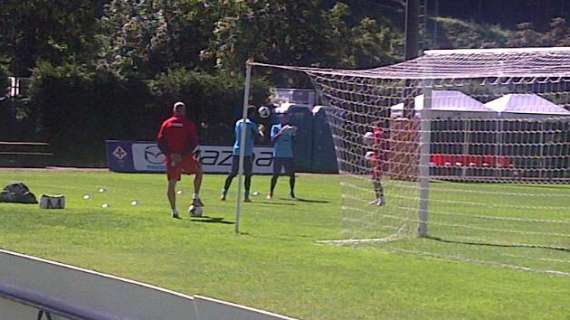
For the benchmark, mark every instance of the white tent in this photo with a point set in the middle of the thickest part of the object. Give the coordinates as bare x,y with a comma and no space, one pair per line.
529,104
448,103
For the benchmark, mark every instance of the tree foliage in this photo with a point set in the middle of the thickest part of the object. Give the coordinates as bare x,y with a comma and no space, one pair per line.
132,58
57,31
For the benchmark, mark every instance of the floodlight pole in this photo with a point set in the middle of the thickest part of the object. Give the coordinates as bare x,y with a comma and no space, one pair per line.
425,156
411,29
242,141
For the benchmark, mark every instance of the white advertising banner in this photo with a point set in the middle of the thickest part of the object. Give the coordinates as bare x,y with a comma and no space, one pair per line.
215,159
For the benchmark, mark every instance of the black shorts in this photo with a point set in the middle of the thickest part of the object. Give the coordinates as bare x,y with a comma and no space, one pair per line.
247,165
285,164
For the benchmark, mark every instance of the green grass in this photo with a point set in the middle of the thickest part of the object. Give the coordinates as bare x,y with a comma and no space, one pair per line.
276,263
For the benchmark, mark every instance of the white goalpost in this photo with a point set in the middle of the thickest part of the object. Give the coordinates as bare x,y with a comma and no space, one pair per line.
471,154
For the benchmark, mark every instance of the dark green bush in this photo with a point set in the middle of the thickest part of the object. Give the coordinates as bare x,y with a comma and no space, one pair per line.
79,109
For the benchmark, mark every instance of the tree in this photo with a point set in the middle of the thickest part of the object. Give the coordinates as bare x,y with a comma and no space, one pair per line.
526,36
144,38
53,31
559,33
297,33
4,81
457,33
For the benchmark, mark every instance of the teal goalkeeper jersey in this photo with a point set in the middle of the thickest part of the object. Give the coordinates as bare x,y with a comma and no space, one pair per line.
282,146
251,131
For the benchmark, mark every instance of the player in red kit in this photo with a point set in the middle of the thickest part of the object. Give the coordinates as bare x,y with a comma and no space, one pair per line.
178,140
374,157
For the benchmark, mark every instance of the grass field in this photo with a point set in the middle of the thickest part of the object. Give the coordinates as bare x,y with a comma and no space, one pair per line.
276,263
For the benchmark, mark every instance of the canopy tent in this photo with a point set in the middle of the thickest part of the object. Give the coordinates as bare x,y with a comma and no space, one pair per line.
528,104
446,103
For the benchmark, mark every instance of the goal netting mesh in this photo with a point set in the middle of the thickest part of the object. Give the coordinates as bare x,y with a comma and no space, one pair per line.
458,154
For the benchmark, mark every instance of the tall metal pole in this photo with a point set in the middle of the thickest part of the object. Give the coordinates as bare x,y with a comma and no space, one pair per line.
412,22
425,155
242,141
411,51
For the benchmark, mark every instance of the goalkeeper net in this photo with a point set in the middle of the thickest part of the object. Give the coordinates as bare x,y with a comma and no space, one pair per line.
458,154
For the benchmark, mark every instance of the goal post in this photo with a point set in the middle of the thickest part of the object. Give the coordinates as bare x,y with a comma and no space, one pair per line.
468,149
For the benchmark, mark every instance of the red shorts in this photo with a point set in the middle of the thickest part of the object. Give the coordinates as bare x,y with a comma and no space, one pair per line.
188,165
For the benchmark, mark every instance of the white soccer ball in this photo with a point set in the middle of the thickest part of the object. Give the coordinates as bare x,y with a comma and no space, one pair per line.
368,138
264,112
370,155
195,211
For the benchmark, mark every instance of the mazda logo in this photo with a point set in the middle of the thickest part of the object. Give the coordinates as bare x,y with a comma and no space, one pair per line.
153,155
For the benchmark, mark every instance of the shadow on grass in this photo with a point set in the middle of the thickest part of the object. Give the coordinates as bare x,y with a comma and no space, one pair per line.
275,203
499,245
207,219
305,200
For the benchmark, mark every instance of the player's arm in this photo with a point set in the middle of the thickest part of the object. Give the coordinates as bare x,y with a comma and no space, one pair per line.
261,130
276,133
161,139
257,130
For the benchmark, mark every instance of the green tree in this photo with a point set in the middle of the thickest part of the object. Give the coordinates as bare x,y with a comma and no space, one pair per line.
372,45
144,38
297,33
559,33
455,33
47,30
526,36
4,81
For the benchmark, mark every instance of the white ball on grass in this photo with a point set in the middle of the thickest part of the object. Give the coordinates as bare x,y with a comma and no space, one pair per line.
102,189
134,203
86,197
105,205
195,211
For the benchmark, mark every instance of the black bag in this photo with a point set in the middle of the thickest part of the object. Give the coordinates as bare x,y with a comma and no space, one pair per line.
17,193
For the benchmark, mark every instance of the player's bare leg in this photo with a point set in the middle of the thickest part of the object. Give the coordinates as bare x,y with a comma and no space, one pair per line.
247,185
292,185
171,194
272,186
227,185
196,201
379,192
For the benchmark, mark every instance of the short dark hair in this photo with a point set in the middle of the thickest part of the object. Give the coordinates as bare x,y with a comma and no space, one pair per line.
251,110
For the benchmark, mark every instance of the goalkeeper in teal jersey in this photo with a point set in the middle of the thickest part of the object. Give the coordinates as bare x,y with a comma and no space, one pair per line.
251,131
282,138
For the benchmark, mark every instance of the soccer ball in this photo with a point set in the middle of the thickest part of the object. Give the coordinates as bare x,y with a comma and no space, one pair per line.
368,138
370,155
195,211
264,112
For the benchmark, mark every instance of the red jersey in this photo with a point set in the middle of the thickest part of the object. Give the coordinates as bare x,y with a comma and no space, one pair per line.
377,136
177,135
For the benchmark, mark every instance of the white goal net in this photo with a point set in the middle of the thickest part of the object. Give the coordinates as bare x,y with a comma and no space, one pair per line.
460,154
